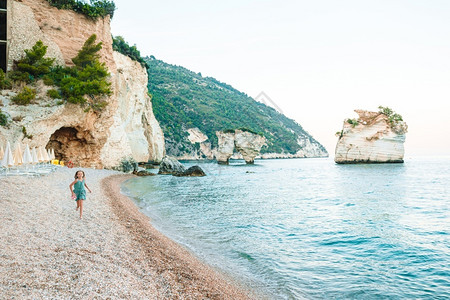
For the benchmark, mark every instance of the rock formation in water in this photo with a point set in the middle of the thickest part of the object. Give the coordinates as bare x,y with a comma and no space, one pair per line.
125,129
248,144
203,150
143,173
226,146
372,138
170,165
194,171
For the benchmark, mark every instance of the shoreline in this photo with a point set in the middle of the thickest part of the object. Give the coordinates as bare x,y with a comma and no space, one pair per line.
112,253
186,273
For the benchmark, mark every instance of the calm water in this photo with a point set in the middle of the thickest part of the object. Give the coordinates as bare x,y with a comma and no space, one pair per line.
311,229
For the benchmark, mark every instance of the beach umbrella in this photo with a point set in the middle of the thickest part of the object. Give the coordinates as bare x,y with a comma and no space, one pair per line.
34,157
49,154
8,159
53,154
44,154
18,155
40,156
1,151
27,158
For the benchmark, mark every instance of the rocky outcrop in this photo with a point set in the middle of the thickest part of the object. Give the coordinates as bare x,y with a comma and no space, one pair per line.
372,138
199,148
248,144
308,149
170,165
226,146
194,171
126,128
143,173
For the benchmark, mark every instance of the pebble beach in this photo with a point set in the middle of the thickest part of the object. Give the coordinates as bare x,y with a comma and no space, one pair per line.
48,252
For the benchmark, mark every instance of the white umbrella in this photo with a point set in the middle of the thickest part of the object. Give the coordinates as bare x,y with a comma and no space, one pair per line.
1,151
34,158
45,154
27,158
8,159
18,155
49,154
53,153
39,154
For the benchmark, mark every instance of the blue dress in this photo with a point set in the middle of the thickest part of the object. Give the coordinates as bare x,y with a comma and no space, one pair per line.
79,190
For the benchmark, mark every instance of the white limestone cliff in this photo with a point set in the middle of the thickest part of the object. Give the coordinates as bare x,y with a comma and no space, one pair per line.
135,130
373,140
125,128
308,149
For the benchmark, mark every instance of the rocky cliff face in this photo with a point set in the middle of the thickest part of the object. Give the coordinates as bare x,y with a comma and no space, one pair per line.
126,128
248,144
374,139
202,149
135,131
64,31
308,149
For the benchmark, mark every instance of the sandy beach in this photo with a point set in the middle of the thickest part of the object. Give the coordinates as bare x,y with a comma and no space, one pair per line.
112,253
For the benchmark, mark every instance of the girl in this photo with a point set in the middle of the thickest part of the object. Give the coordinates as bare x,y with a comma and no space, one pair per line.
78,191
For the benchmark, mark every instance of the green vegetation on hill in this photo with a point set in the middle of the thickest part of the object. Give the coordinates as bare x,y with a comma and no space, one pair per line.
183,99
121,46
96,8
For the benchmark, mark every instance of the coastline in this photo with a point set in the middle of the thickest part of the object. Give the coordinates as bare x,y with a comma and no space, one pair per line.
113,252
188,276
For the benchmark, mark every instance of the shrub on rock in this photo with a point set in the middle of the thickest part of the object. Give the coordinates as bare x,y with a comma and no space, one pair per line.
25,96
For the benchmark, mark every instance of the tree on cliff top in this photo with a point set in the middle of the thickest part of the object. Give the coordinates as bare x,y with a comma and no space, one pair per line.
96,8
121,46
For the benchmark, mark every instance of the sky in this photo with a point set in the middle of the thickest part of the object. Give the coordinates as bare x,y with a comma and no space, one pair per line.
316,60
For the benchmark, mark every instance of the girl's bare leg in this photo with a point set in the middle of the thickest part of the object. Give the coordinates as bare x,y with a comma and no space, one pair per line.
81,207
78,205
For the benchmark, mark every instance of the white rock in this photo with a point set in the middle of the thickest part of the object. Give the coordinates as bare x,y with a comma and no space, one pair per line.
226,146
373,140
248,144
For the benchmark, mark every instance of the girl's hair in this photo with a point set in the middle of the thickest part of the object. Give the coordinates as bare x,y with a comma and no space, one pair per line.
77,173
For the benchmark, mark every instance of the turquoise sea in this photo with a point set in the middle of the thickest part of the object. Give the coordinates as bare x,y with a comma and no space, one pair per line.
312,229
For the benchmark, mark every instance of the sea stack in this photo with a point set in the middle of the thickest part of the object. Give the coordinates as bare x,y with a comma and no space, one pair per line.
249,144
375,137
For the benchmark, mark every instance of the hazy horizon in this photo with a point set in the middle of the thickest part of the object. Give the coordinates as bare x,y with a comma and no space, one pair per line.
318,61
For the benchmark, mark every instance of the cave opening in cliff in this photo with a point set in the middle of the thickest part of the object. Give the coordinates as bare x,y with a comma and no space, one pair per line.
3,35
72,144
